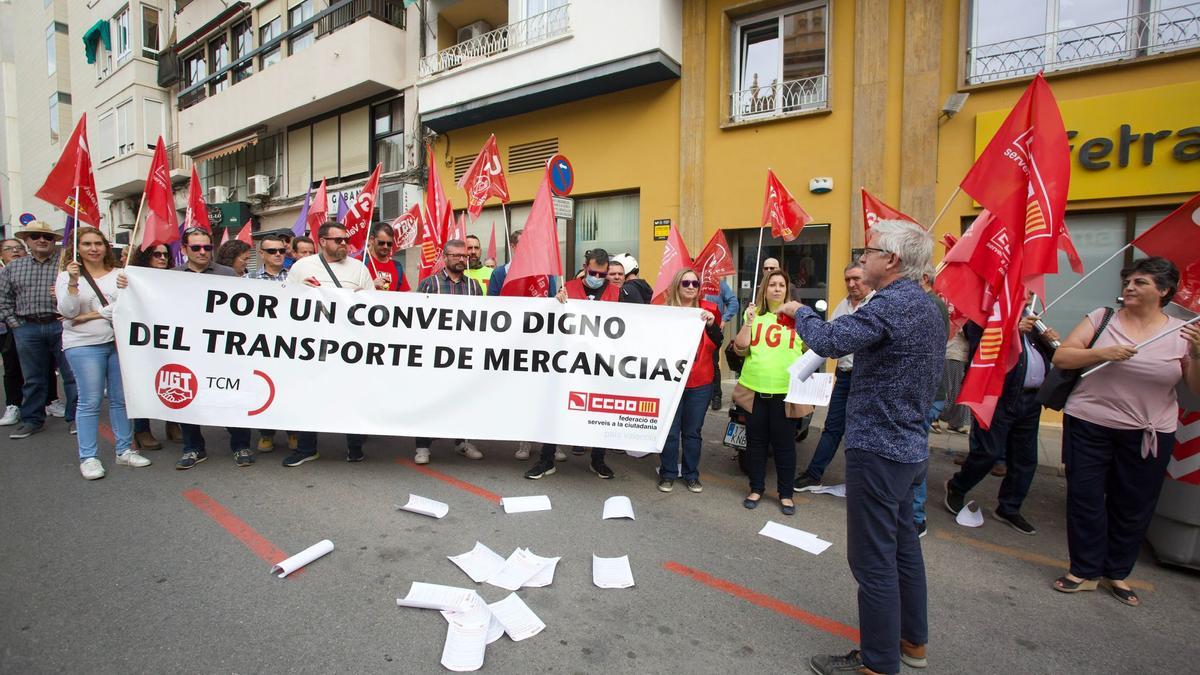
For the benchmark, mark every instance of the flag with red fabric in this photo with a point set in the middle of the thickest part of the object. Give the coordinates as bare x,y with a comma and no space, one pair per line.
244,234
675,257
536,257
491,249
407,227
957,283
1023,174
360,213
484,179
781,211
874,210
318,213
948,241
714,262
196,216
73,170
162,223
439,215
1177,238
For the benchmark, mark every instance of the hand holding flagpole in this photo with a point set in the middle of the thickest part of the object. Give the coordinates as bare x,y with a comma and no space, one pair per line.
1140,345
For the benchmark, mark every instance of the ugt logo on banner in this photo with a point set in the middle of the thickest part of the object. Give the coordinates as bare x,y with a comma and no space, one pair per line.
176,386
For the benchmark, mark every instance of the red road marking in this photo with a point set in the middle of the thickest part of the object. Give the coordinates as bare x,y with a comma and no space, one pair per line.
237,527
106,432
451,480
791,611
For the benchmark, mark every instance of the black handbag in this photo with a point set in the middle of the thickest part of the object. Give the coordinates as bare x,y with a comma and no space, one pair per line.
1061,382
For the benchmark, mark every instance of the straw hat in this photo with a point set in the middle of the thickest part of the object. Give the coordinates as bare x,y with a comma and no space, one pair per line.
38,227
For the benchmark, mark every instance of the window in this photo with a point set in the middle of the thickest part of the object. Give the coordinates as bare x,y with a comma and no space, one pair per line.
125,128
195,69
234,170
267,32
218,58
388,133
152,121
51,52
106,137
151,38
780,62
1016,38
243,44
296,16
610,223
54,117
121,34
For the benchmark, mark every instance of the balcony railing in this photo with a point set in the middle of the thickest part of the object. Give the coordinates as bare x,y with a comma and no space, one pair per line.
1132,37
340,14
533,30
779,98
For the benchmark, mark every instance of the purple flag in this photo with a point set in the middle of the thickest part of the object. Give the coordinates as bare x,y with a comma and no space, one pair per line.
69,230
342,208
302,221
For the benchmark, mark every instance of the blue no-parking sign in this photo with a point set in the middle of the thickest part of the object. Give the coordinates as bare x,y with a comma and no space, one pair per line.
562,176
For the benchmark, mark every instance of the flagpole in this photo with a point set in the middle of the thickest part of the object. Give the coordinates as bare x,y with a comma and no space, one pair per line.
1156,338
507,233
1046,307
757,264
75,228
944,208
137,222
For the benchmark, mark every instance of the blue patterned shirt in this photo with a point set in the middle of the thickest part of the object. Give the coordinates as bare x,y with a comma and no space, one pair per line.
899,344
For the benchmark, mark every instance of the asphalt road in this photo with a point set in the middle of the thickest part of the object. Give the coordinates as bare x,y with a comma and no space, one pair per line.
163,571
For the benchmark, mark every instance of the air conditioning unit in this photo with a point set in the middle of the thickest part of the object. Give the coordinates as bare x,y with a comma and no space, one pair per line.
125,214
260,186
472,31
218,194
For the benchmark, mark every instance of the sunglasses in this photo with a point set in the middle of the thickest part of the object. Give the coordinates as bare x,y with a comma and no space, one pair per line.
201,247
385,244
594,273
274,251
39,236
690,283
337,240
161,254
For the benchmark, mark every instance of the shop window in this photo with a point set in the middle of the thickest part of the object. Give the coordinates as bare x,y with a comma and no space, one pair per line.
610,223
780,65
806,261
387,130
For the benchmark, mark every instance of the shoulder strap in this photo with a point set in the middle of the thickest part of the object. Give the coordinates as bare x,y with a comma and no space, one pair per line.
1108,315
330,270
95,288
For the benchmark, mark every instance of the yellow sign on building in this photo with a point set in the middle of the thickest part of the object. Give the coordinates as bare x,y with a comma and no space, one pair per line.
1135,143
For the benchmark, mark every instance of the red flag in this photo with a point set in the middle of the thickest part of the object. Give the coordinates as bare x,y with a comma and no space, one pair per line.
224,236
73,170
536,256
675,257
1023,174
431,248
318,213
162,223
1177,238
360,213
437,205
484,179
715,261
781,211
964,290
407,227
949,240
491,250
196,215
874,209
998,351
243,234
458,229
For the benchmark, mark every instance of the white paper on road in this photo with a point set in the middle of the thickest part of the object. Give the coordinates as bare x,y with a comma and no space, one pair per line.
520,567
806,364
518,620
618,507
495,629
838,490
816,390
463,651
970,518
545,575
473,612
435,596
805,541
286,567
611,572
479,563
425,506
525,504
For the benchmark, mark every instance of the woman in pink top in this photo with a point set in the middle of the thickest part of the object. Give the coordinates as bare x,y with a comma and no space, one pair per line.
1119,425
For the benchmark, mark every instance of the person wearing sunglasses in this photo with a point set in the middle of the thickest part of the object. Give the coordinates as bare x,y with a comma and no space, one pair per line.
157,257
387,272
271,253
688,424
28,306
198,253
10,250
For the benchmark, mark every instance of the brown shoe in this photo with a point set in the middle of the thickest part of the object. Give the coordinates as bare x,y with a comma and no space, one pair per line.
174,433
912,655
144,440
999,470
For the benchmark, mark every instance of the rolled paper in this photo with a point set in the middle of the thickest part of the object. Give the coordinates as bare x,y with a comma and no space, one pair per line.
302,558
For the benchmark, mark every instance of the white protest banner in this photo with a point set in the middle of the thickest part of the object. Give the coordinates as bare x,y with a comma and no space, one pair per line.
222,351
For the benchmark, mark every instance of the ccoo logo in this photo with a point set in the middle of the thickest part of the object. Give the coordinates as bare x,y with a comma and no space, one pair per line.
175,385
577,401
612,403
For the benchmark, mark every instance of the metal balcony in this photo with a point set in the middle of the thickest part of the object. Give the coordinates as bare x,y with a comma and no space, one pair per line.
528,32
779,98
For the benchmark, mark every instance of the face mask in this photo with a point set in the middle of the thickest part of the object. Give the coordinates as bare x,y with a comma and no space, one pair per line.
593,282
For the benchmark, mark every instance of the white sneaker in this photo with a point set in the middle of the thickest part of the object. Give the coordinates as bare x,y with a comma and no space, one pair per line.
12,415
559,455
131,458
522,450
91,468
471,452
422,456
56,408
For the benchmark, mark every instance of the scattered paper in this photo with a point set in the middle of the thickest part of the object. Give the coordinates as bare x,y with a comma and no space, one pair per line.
286,567
435,596
474,612
805,541
518,620
495,629
425,507
611,572
463,651
806,364
816,390
838,490
520,567
525,504
479,563
618,507
970,518
545,575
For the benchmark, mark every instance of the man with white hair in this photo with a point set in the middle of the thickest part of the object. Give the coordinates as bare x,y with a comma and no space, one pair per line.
898,340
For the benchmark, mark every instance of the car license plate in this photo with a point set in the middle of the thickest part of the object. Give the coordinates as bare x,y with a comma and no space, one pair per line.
735,435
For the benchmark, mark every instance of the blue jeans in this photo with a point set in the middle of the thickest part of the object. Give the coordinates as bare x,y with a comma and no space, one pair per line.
689,420
39,346
935,411
885,556
835,427
193,438
96,366
919,503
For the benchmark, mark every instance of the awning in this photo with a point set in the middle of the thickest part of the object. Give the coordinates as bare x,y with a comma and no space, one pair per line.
98,33
226,148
